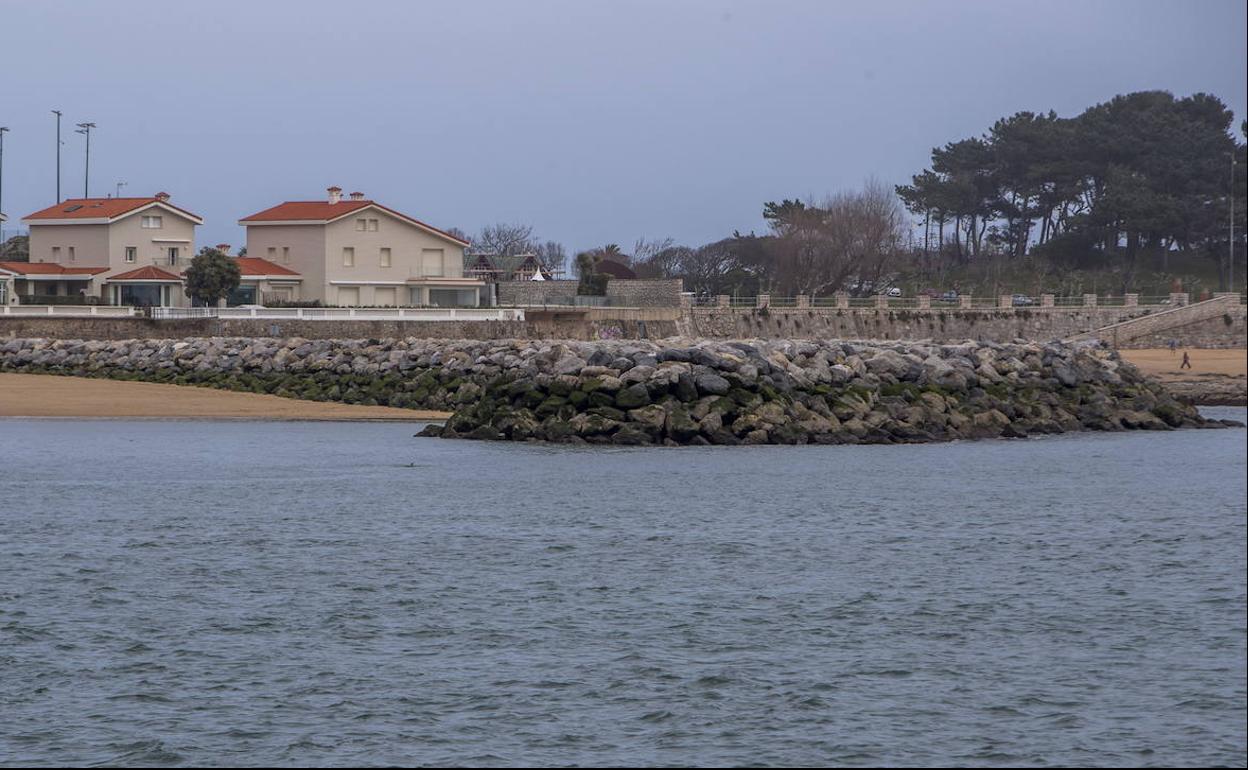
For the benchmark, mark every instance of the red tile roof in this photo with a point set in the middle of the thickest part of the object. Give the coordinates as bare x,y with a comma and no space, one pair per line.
616,269
258,266
99,208
148,273
49,268
324,211
317,211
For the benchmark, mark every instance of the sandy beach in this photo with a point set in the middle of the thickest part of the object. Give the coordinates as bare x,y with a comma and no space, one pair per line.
1216,376
1161,363
33,395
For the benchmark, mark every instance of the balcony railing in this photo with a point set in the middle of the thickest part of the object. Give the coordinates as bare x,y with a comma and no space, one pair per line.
173,264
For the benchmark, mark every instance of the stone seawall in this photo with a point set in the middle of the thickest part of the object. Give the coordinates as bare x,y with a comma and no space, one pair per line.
625,293
623,323
552,326
673,392
939,324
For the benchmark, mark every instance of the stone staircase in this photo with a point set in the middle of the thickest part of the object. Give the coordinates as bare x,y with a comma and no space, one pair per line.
1174,320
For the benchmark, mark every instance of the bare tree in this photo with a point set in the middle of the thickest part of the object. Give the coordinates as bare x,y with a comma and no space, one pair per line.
665,263
645,250
849,240
552,255
706,268
505,239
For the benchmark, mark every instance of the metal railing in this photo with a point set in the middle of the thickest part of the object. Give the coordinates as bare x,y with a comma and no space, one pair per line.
937,303
340,313
171,263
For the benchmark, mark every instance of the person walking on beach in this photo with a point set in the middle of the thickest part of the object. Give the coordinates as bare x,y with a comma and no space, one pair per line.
1187,362
1174,344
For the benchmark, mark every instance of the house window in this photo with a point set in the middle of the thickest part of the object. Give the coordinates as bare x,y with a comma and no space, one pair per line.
360,224
372,225
432,262
72,255
385,256
348,256
132,253
151,223
173,255
56,253
272,253
286,255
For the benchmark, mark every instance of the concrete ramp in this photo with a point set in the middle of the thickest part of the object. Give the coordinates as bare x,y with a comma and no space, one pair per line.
1177,322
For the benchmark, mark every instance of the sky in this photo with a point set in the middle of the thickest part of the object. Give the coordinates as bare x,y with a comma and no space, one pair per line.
594,122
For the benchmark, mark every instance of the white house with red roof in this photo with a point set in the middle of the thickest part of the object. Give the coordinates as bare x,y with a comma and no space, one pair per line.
123,251
356,252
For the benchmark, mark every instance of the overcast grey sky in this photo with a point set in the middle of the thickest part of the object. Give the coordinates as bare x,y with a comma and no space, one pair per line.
595,122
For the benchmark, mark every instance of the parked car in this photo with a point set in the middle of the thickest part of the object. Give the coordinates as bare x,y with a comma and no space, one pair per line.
949,296
893,292
1022,300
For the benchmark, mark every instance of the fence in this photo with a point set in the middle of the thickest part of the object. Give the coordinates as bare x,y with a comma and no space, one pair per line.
70,311
341,313
1004,302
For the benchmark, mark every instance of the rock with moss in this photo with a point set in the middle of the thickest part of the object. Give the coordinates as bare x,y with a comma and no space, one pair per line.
669,392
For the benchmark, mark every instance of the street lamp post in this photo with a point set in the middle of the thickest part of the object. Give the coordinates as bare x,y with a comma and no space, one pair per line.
85,129
57,113
1230,273
3,130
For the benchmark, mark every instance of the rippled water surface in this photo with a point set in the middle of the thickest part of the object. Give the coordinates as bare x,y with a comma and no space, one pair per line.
238,593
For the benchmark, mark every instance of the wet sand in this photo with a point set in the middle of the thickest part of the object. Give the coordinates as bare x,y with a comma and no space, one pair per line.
34,395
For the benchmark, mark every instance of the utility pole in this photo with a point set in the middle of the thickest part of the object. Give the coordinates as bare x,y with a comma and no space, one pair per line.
1230,273
57,113
85,128
3,130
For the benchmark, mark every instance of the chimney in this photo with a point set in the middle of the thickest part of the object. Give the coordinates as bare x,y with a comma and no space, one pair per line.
335,194
224,248
163,197
357,196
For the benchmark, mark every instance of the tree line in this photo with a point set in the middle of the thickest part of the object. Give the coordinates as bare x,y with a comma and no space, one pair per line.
1142,178
1141,174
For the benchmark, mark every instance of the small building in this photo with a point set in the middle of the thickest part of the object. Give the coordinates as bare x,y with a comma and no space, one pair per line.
356,252
264,283
497,268
128,251
31,282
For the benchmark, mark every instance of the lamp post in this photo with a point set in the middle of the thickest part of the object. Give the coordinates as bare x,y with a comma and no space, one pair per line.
3,130
85,129
57,113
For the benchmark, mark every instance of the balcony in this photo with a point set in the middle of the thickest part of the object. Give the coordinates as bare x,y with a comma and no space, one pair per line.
174,265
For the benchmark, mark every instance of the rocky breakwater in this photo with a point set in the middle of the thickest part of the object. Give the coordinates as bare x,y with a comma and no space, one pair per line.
797,392
673,392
